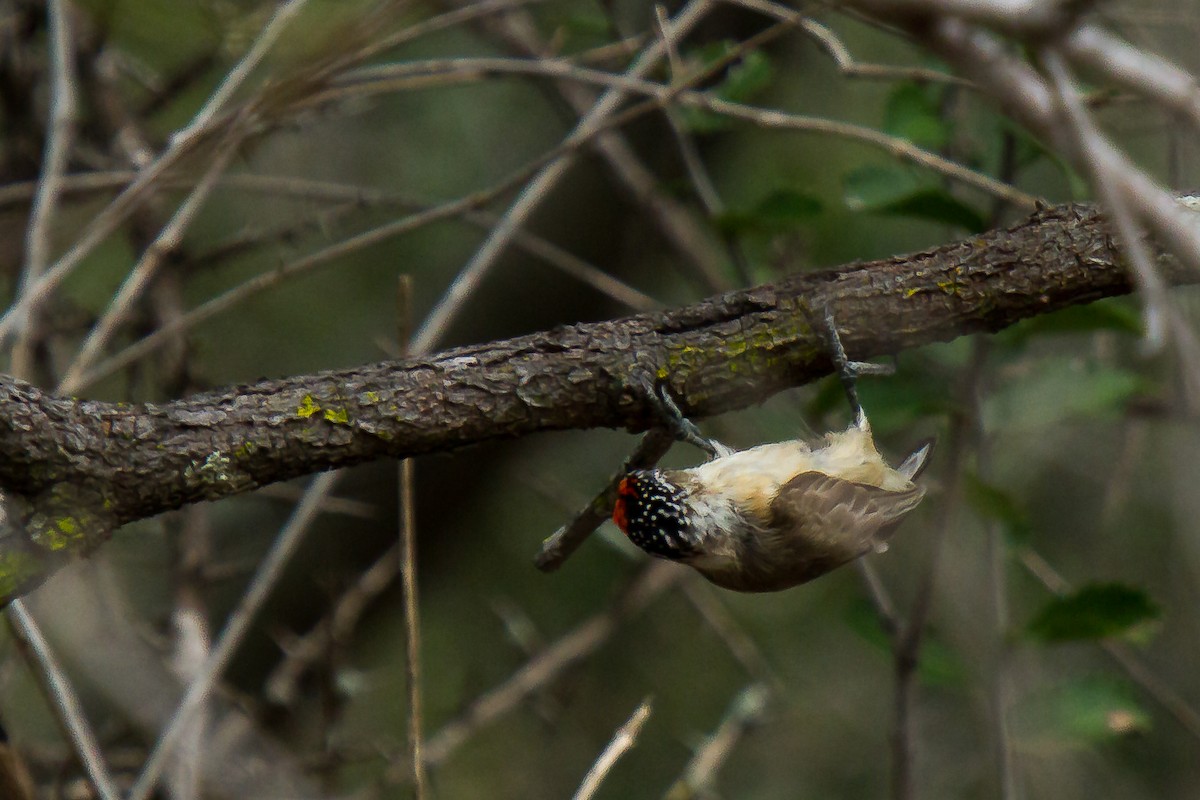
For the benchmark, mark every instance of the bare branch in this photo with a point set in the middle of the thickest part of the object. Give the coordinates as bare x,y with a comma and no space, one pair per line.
622,741
408,579
563,542
119,209
1135,69
390,77
581,642
54,166
746,709
720,354
69,711
537,190
233,633
147,266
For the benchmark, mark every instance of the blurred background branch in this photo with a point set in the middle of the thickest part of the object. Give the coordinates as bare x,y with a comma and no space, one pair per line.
197,195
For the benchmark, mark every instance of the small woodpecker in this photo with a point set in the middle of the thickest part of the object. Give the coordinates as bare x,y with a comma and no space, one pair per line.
773,516
776,515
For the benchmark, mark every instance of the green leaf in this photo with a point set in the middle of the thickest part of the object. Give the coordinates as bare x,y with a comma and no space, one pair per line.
938,205
1097,611
1087,712
741,80
912,114
780,211
699,120
993,503
746,78
580,31
872,188
901,192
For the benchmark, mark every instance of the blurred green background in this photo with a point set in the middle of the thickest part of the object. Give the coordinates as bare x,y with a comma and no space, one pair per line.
1060,443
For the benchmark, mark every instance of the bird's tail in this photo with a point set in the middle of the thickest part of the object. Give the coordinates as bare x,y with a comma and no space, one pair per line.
915,464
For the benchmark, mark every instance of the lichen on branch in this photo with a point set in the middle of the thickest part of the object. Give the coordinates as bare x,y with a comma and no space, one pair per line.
74,470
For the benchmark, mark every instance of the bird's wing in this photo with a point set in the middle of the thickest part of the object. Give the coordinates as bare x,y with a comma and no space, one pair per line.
837,517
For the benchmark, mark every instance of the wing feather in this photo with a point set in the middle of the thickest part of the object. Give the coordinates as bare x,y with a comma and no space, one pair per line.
838,519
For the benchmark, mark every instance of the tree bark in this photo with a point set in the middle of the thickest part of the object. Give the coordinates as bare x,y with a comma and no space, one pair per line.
73,470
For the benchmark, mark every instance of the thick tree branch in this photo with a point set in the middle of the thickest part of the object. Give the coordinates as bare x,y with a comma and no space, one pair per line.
75,469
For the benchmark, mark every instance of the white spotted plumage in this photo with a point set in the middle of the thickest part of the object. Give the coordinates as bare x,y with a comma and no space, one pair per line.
775,515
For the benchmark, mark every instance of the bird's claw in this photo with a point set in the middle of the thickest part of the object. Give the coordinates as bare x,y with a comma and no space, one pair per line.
849,371
674,420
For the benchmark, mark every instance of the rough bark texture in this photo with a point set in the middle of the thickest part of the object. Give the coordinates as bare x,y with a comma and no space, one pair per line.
75,469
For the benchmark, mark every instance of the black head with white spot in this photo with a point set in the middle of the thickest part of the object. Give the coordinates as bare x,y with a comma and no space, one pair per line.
652,512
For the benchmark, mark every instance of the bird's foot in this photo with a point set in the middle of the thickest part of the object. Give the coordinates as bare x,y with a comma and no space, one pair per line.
850,371
674,420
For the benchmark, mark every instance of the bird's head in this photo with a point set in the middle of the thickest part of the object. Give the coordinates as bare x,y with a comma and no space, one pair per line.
651,510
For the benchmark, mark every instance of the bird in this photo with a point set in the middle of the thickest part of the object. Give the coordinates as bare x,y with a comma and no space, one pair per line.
777,515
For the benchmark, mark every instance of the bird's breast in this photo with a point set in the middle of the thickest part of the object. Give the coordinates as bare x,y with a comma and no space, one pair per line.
750,479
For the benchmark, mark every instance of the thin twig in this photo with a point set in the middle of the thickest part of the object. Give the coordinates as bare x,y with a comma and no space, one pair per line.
192,643
42,661
390,77
441,22
881,599
268,280
999,555
849,67
300,655
346,506
537,673
236,627
147,266
54,166
1150,282
185,773
1135,69
237,76
566,540
67,707
1161,317
702,182
999,691
704,598
678,227
895,146
119,209
1001,688
832,44
905,663
622,741
907,632
700,773
910,637
408,577
350,199
447,308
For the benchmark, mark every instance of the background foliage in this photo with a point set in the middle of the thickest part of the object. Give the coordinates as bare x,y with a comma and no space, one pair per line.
1056,550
